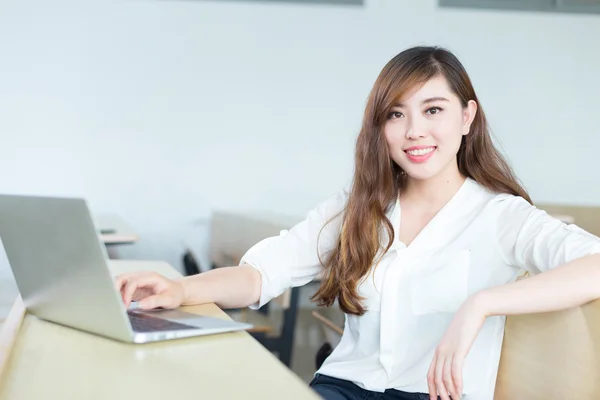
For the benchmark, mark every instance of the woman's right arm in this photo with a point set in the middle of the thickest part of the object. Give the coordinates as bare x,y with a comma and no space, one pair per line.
228,287
266,271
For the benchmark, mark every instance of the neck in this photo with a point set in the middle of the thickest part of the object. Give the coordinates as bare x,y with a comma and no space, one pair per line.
433,192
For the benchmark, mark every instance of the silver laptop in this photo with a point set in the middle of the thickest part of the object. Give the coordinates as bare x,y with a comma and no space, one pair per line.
61,269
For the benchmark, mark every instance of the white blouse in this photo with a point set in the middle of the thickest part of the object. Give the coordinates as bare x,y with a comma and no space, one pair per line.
479,239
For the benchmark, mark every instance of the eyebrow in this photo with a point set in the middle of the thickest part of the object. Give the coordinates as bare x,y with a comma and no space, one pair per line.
426,101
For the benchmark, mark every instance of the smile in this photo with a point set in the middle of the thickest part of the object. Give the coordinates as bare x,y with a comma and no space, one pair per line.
420,155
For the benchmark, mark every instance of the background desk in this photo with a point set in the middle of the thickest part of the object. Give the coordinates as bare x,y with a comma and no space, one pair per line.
120,231
51,361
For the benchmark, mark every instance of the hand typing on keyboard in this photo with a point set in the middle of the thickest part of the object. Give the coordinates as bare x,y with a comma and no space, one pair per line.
150,290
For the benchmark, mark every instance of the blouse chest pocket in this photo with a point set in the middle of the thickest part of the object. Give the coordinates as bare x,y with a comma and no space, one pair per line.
439,282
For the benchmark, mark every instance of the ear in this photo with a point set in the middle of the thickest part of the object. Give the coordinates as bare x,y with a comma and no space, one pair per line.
469,113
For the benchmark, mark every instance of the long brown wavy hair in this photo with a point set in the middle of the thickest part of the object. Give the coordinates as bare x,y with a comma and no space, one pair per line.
378,179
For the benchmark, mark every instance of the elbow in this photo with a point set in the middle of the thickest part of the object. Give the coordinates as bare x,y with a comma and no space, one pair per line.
256,285
255,279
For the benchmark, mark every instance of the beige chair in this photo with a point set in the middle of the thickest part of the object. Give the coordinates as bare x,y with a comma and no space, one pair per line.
550,356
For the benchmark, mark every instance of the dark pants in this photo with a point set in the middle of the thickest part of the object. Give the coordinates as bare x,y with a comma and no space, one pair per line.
338,389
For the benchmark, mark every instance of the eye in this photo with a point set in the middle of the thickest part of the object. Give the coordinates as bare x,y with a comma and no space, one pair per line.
395,115
433,110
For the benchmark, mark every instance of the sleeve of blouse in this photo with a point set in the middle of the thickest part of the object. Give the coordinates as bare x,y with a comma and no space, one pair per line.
531,239
292,258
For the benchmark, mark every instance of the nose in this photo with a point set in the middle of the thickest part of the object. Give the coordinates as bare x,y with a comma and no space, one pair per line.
416,128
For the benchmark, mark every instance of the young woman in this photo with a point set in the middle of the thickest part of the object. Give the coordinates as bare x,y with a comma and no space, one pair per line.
421,253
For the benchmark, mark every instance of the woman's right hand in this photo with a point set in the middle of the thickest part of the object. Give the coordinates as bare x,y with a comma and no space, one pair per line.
150,290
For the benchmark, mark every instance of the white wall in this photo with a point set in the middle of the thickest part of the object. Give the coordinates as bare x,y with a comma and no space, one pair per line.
162,110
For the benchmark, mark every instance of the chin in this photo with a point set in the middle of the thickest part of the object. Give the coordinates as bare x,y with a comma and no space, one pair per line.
420,174
421,177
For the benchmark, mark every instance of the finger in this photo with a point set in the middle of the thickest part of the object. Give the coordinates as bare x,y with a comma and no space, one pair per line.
121,285
122,291
146,281
128,291
447,377
156,301
431,379
120,280
439,379
457,367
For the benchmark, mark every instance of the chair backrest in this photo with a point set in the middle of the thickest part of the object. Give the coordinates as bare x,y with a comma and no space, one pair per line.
191,266
586,217
232,234
551,356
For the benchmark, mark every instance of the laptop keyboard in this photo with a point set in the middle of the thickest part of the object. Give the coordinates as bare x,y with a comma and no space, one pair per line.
146,323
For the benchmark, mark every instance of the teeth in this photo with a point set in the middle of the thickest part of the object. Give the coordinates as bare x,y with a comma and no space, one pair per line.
421,152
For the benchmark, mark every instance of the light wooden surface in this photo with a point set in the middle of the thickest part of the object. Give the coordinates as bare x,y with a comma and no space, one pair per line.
123,233
9,331
260,323
119,238
51,361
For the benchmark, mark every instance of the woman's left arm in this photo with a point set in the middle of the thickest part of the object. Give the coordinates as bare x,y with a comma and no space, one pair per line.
566,286
570,261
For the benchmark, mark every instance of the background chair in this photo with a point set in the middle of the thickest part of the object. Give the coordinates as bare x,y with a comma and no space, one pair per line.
231,236
274,329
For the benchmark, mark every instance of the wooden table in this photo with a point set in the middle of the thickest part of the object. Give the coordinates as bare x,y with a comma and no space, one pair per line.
48,361
114,230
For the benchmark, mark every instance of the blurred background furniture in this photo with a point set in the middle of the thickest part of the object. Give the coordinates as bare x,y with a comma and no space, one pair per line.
114,231
231,236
